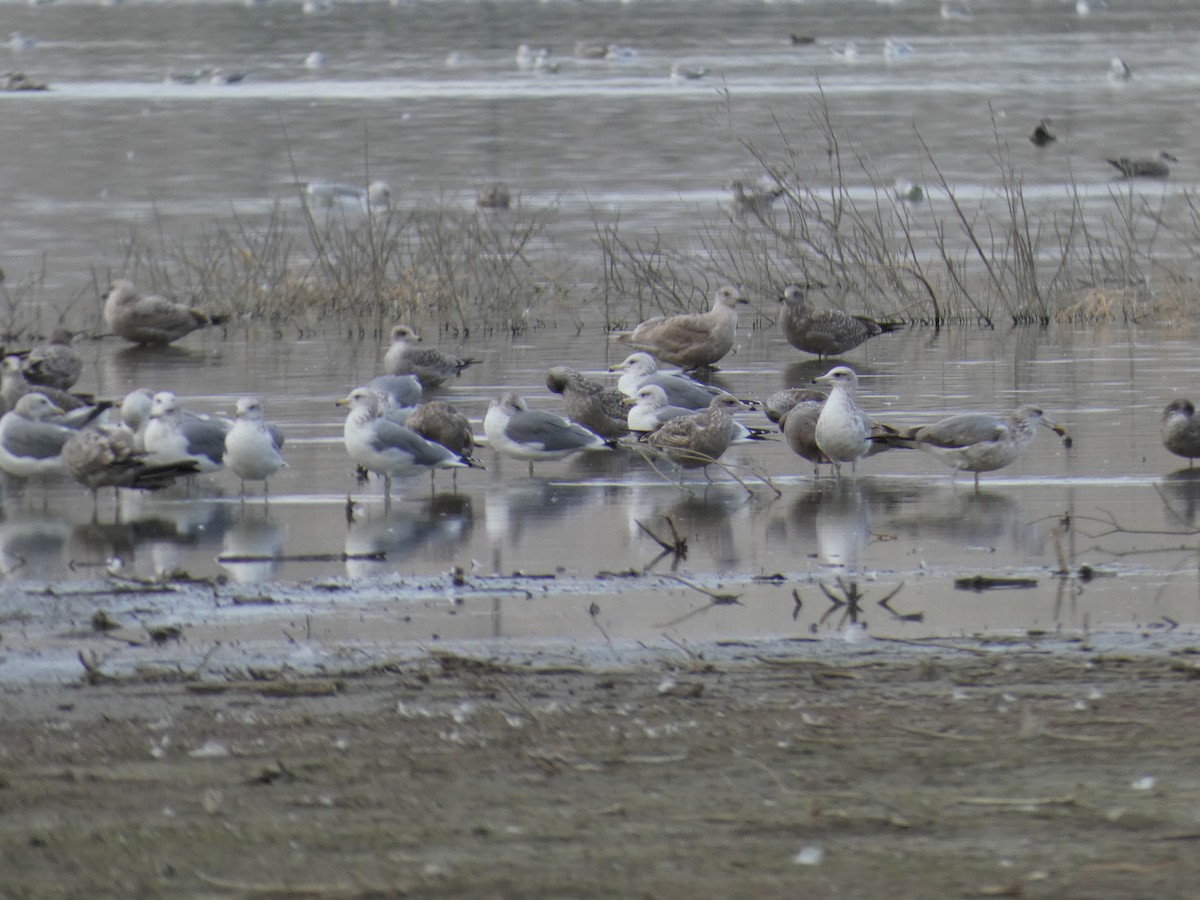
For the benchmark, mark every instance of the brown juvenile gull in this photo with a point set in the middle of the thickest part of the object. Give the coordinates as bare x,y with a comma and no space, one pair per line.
14,385
599,409
778,404
1181,430
150,319
251,447
698,440
430,365
843,430
754,201
442,423
29,443
381,446
639,369
825,332
978,442
513,429
1158,167
107,456
692,340
651,409
55,363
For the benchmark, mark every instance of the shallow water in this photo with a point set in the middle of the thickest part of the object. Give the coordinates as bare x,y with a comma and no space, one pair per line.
113,147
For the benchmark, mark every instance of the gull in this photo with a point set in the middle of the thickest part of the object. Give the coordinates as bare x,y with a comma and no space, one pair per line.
442,423
956,11
780,402
697,440
404,391
251,449
825,332
135,410
107,456
314,61
18,41
513,429
599,409
680,72
843,431
1041,135
388,449
978,442
55,363
798,423
896,49
29,444
1119,71
376,197
171,436
429,364
532,57
651,409
754,201
1181,430
639,369
150,319
692,340
493,196
1158,167
14,385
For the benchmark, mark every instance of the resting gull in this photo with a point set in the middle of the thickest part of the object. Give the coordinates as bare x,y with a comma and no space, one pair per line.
14,385
150,319
651,409
29,444
978,442
251,448
825,332
55,363
1157,167
107,456
374,198
381,446
599,409
692,340
843,431
172,436
513,429
639,369
442,423
778,404
697,440
429,364
1181,430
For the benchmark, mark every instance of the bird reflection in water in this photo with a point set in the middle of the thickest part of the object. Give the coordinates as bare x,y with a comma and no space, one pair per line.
31,543
980,519
704,520
374,545
1180,493
258,540
529,506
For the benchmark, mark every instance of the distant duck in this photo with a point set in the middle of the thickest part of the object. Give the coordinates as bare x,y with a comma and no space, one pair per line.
586,50
1042,136
680,72
186,76
956,11
493,196
535,59
317,7
222,76
18,41
909,191
1157,167
894,49
751,200
19,81
1119,71
801,40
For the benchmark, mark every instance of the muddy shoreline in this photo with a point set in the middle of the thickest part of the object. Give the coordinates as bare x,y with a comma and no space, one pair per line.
1024,765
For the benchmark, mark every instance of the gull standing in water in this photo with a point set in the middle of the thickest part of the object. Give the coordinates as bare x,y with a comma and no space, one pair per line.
1157,167
798,411
843,431
375,198
978,442
172,436
107,456
513,429
251,447
639,369
150,319
430,365
55,363
825,332
693,340
652,410
381,446
698,440
1181,430
442,423
599,409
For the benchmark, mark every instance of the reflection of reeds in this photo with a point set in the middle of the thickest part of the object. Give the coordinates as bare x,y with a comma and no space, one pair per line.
928,255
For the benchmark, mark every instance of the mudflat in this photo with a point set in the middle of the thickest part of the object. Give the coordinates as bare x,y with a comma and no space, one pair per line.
1025,767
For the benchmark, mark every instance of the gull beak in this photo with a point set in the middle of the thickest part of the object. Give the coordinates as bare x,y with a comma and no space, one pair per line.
629,401
344,401
617,367
1067,440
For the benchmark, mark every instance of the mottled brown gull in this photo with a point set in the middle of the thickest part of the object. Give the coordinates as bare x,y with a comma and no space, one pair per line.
55,363
698,440
1156,167
107,456
1181,430
599,409
515,430
652,409
430,365
825,332
692,340
150,319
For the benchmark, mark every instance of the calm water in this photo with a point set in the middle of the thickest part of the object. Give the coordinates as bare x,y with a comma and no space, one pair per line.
431,95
